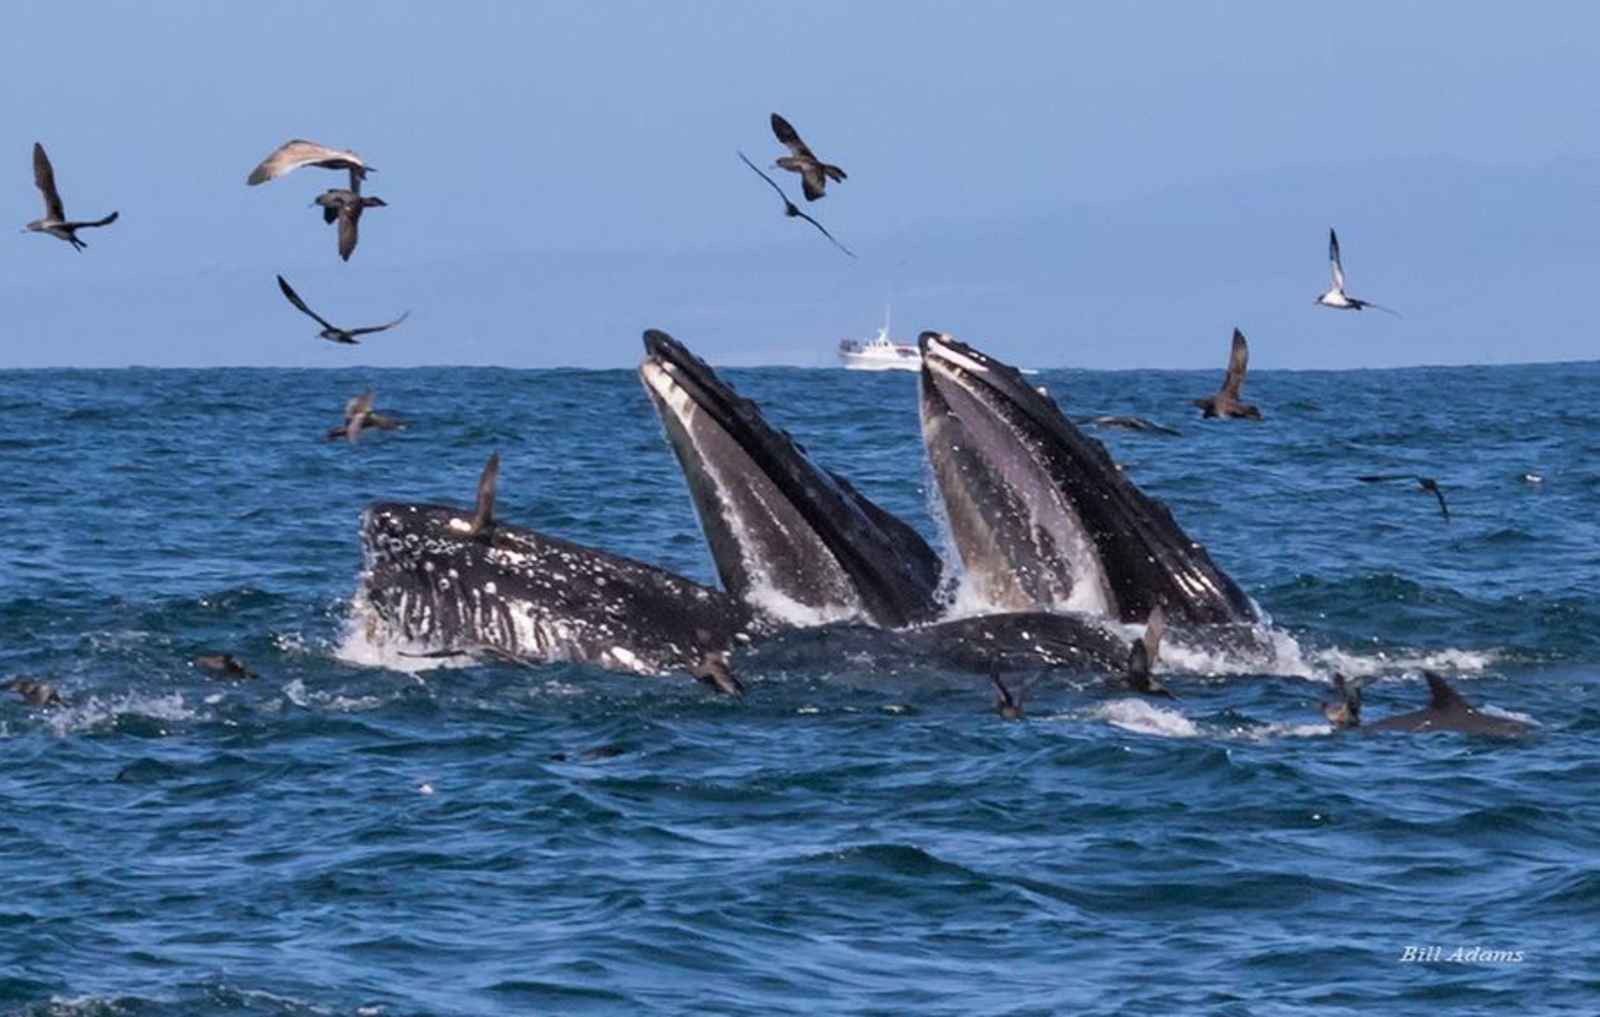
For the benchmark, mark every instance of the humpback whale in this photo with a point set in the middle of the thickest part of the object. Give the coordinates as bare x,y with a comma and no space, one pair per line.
1041,516
783,530
451,578
1446,711
807,563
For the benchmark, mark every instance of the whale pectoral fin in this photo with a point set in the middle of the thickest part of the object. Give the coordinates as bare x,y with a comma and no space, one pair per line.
483,517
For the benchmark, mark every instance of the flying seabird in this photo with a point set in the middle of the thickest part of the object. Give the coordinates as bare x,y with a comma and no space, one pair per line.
346,205
789,208
1336,297
1423,484
358,415
1226,402
55,221
291,155
334,333
814,173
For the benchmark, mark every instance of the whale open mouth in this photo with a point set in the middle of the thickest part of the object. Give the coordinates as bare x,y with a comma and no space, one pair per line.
785,534
1041,516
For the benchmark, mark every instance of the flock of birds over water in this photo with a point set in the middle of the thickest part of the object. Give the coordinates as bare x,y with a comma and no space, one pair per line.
344,207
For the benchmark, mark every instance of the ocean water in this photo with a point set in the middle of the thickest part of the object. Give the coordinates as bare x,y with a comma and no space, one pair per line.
352,832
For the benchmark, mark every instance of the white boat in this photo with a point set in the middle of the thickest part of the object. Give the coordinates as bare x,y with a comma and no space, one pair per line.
880,353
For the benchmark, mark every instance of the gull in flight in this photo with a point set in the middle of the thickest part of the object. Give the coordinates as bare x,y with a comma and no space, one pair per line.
1336,297
791,211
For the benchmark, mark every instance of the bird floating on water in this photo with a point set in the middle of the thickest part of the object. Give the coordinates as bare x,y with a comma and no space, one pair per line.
1423,484
54,221
34,692
1336,297
334,333
1226,401
814,173
224,664
790,209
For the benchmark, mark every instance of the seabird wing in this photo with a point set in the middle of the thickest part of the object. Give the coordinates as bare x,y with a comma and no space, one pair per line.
294,298
107,221
1154,627
1444,509
1378,478
1238,364
812,182
349,216
380,328
358,405
44,177
1333,259
1003,695
355,414
790,138
825,233
293,154
763,176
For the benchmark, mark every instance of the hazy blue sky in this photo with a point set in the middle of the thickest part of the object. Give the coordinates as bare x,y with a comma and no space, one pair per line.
1105,185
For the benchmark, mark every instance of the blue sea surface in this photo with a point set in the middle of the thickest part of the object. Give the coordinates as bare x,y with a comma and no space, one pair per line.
355,832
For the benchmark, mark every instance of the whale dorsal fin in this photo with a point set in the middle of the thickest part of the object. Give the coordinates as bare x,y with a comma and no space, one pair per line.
1441,696
483,518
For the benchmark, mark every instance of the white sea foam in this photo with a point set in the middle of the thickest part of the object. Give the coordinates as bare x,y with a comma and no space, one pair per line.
368,641
96,713
1144,717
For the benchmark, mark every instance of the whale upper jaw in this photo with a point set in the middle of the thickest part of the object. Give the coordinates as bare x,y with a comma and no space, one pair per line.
430,582
1041,516
784,532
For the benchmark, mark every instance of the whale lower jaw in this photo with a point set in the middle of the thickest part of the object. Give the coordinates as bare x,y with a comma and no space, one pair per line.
784,532
1038,509
536,597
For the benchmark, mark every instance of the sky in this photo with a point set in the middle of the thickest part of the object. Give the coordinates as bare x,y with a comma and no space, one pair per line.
1089,185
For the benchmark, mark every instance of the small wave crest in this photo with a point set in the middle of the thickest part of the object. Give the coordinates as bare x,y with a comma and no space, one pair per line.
97,713
1144,717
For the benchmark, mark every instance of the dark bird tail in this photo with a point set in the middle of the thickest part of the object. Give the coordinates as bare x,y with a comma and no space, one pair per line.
833,172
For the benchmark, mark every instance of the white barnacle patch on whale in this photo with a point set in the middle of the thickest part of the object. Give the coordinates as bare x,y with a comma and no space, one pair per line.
459,525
